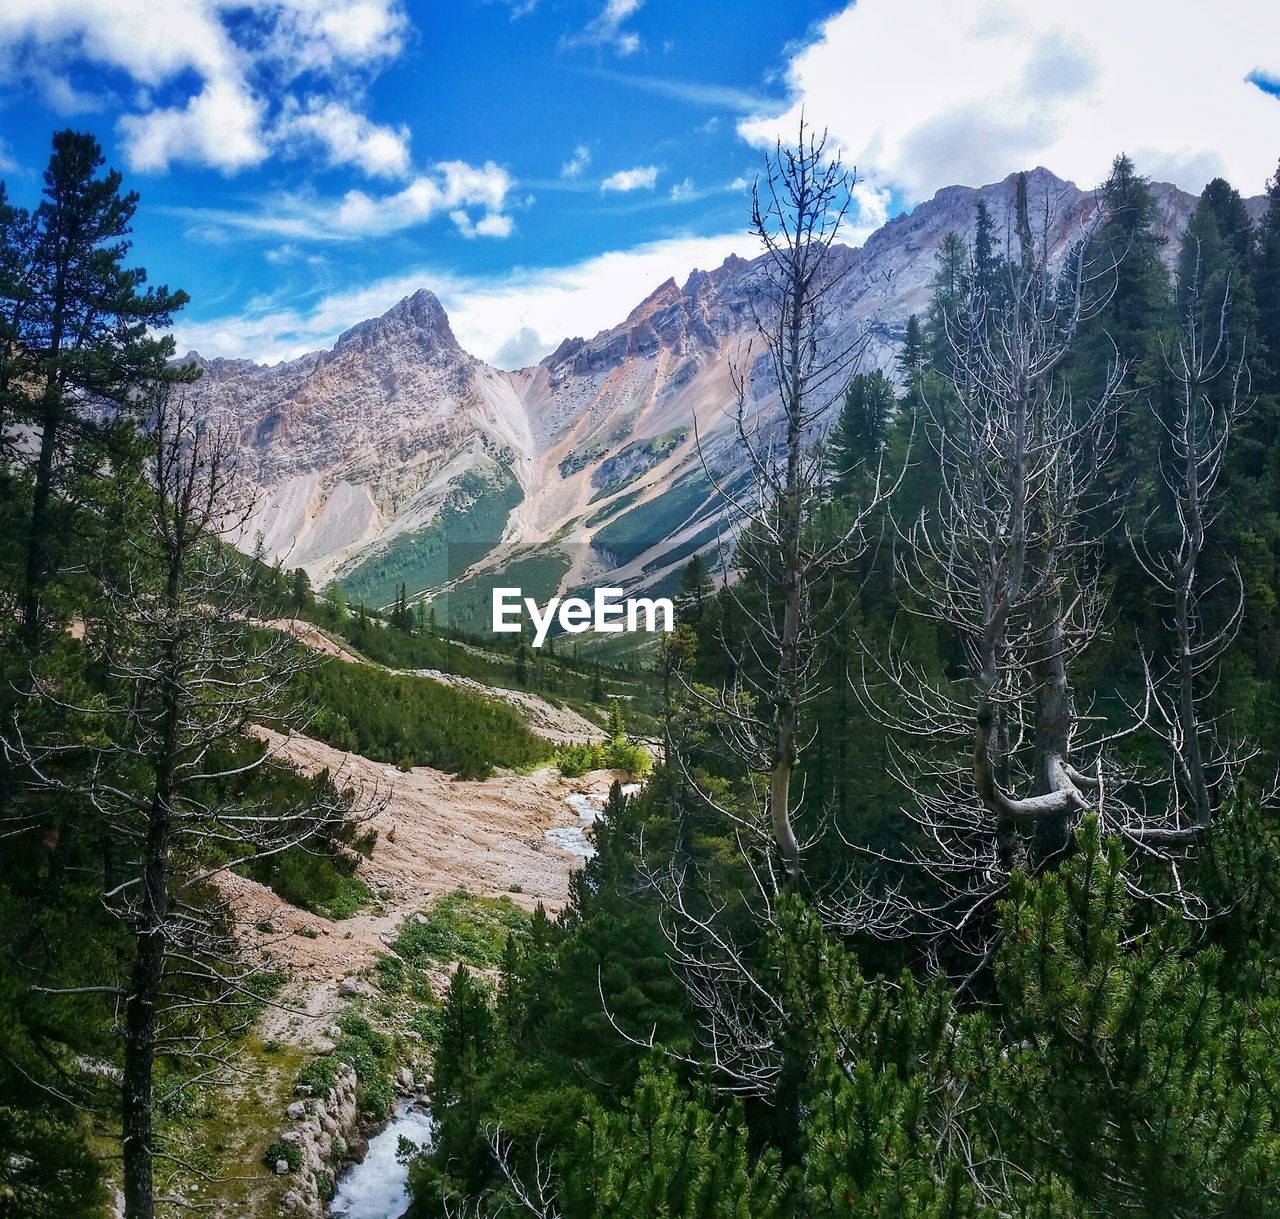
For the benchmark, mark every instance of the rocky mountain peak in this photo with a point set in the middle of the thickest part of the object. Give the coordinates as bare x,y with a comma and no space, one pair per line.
418,320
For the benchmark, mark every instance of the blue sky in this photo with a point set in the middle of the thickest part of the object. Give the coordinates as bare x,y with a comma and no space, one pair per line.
542,164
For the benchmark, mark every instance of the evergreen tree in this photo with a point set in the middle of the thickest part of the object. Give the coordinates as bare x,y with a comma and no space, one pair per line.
695,589
88,336
859,434
1266,277
300,595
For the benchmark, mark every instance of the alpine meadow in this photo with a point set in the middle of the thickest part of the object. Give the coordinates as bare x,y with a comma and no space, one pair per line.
805,747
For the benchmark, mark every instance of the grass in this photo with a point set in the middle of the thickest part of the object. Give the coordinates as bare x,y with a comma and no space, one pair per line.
222,1133
461,927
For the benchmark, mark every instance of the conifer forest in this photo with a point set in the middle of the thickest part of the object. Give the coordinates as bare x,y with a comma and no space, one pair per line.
937,877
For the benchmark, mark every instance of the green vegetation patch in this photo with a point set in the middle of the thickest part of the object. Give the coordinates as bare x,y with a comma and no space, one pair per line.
619,505
369,1053
469,525
461,927
537,574
618,754
638,458
631,535
399,718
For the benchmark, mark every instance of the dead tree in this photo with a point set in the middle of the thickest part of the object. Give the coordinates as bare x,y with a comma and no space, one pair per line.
188,675
786,382
995,764
1204,616
798,209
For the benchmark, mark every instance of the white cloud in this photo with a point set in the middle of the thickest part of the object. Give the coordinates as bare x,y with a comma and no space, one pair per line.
489,225
512,319
574,166
682,190
643,177
921,94
220,127
7,164
605,29
241,72
350,138
454,186
450,188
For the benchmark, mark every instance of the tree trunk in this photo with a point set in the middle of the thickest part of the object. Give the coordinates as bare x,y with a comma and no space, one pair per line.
137,1126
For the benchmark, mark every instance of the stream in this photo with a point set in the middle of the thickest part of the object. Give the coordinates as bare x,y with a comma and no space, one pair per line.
375,1188
573,838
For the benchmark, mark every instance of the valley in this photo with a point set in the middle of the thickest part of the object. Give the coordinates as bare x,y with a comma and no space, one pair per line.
397,457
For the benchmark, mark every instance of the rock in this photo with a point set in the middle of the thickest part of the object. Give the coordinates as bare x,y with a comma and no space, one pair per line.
367,414
302,1090
404,1077
297,1110
291,1136
411,1035
349,987
292,1201
324,1047
282,1167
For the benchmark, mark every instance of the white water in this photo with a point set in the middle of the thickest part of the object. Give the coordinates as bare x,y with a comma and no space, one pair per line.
573,838
375,1188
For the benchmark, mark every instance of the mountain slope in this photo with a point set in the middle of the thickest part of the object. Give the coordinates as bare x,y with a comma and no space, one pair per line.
398,456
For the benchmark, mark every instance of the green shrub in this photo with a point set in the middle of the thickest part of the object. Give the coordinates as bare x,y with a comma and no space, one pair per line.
576,760
413,721
573,761
390,974
320,1074
290,1153
461,927
323,883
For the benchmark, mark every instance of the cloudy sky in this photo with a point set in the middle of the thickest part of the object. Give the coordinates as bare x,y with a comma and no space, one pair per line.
543,164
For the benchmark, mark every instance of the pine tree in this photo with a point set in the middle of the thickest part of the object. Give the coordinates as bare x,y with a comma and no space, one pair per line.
1266,277
300,595
87,337
859,434
695,588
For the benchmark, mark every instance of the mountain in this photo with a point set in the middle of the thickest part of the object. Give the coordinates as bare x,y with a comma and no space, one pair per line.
397,456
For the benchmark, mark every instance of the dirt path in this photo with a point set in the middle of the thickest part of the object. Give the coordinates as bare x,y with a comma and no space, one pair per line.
311,635
435,834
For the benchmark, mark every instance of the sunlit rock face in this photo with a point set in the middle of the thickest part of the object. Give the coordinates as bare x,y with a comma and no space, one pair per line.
397,430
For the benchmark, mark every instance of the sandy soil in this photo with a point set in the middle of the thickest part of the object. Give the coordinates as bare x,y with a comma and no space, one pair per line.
435,834
311,635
